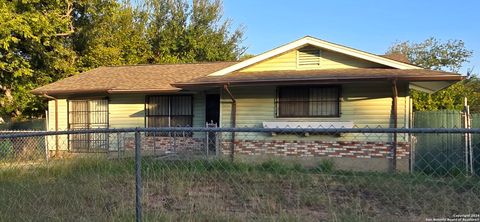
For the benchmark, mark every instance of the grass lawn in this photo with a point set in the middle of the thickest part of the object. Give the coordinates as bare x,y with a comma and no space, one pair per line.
97,189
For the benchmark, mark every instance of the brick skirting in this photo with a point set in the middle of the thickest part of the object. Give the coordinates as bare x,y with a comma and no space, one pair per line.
349,149
167,144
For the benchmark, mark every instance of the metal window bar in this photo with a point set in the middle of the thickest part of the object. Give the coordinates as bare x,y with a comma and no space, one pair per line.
308,101
88,114
169,111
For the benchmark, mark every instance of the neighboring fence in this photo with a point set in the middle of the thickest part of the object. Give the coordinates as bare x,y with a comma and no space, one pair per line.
475,118
187,174
32,124
22,148
452,157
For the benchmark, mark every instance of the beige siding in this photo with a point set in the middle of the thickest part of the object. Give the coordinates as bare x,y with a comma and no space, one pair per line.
62,114
126,111
62,124
370,105
285,61
367,105
328,60
199,110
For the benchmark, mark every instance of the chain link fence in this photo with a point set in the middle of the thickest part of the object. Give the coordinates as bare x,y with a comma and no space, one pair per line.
239,174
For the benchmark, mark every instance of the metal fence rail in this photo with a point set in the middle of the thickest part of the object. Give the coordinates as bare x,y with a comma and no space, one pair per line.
240,174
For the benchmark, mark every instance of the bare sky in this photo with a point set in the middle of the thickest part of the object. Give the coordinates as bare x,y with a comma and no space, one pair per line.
369,25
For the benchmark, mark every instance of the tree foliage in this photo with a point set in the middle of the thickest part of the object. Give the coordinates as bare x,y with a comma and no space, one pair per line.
32,51
42,41
108,33
447,56
179,32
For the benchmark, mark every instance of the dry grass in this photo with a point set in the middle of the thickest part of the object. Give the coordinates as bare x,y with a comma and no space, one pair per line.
96,189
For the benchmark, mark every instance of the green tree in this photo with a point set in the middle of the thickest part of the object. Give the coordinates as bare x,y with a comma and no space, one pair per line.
42,41
447,56
109,33
246,56
180,32
33,51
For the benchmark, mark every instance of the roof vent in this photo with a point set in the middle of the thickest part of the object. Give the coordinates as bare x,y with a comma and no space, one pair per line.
308,57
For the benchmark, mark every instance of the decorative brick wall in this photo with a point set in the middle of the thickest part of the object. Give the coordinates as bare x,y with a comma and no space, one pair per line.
167,144
348,149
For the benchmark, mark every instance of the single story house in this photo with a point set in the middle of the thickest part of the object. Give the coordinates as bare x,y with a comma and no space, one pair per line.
306,83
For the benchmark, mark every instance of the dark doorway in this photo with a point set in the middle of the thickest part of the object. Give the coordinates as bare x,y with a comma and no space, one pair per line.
212,117
212,108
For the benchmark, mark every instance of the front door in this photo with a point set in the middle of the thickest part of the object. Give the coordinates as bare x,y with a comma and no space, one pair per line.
212,119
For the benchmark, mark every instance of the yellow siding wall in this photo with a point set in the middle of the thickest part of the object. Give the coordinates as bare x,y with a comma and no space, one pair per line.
367,105
328,60
125,111
62,124
199,110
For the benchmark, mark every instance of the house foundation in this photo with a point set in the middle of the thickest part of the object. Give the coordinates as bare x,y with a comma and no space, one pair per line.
347,155
350,155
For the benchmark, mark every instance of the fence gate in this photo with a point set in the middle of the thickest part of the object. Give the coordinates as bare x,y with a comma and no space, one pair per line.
211,140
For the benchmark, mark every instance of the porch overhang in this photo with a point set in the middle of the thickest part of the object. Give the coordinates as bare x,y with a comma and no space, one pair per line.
430,86
424,80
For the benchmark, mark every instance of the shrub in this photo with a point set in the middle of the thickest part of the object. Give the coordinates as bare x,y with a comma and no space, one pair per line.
6,149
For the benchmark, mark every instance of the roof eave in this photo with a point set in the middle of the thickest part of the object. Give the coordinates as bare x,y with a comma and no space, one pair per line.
102,91
318,80
122,91
66,91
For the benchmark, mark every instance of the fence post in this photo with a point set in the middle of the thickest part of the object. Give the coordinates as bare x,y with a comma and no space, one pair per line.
217,144
118,145
468,138
46,148
138,177
393,166
232,148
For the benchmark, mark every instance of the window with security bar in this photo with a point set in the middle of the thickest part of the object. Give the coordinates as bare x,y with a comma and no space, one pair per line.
88,114
308,101
169,111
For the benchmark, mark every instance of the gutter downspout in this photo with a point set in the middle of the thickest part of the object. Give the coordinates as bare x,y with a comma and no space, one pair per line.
395,124
233,119
56,120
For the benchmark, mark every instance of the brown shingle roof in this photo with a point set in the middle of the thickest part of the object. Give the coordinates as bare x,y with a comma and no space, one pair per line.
135,78
172,77
323,75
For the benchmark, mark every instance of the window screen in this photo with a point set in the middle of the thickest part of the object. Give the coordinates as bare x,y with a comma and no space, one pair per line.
308,101
169,111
